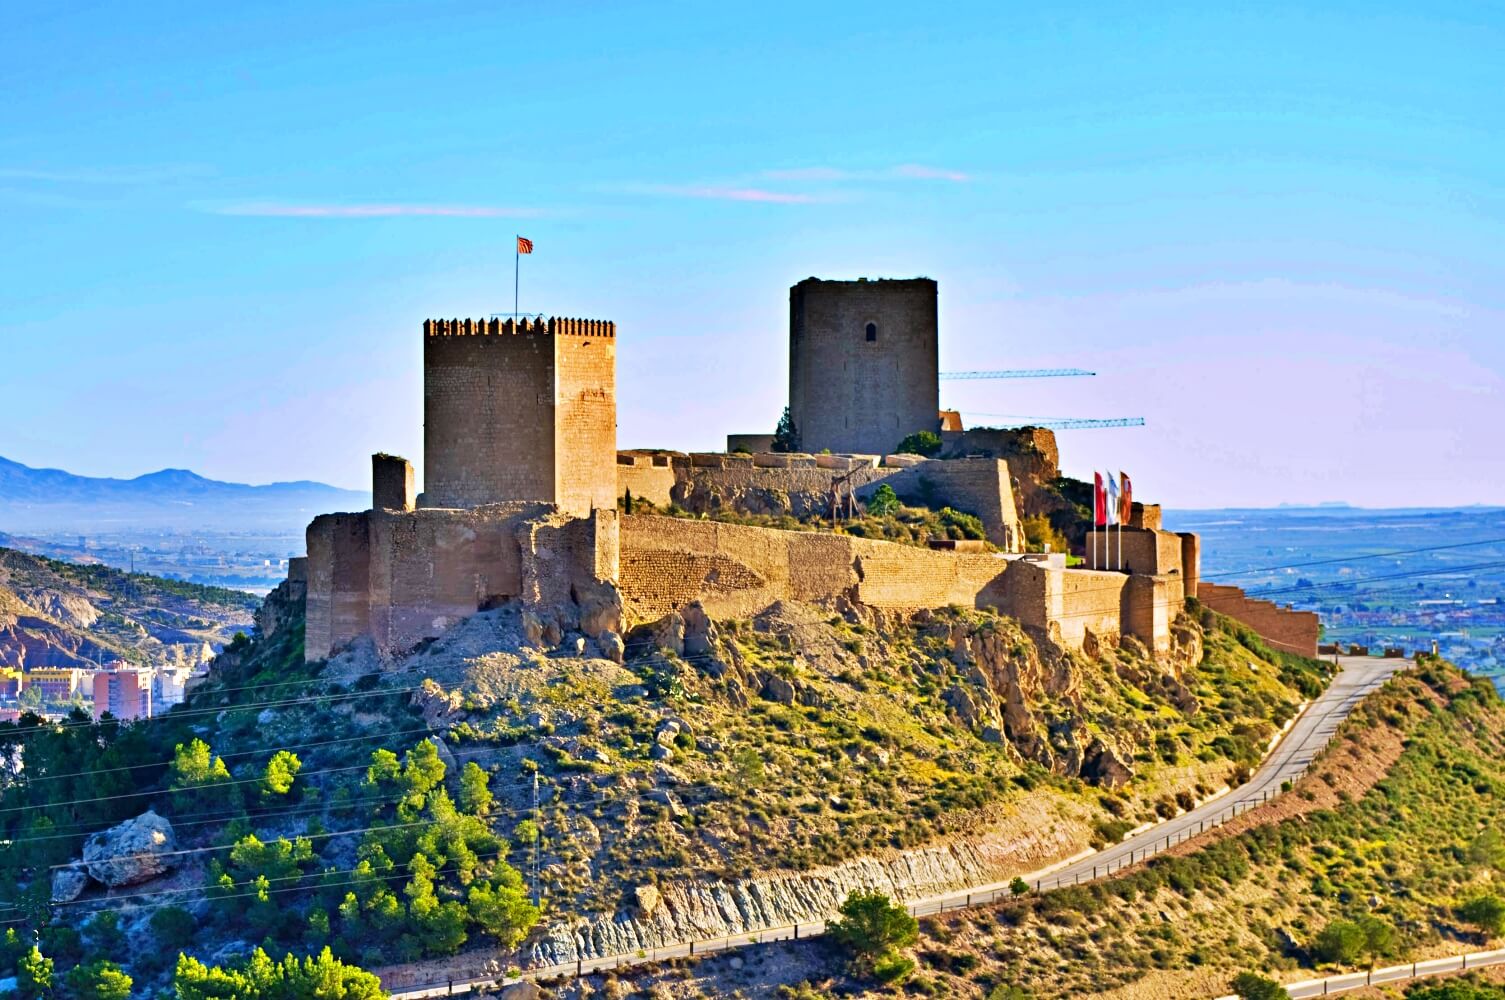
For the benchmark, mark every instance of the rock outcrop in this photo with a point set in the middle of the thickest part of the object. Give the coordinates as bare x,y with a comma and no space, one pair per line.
702,910
133,852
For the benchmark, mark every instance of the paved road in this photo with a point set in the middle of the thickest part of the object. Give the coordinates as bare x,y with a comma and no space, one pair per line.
1452,965
1290,758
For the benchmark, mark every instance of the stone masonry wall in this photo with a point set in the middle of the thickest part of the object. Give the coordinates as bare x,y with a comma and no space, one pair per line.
649,477
1135,550
851,394
1292,631
585,423
737,571
399,578
520,411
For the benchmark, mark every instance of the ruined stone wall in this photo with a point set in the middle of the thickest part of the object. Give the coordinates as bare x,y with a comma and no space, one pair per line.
851,394
1282,628
391,483
338,569
978,486
646,476
585,422
738,571
1034,461
400,578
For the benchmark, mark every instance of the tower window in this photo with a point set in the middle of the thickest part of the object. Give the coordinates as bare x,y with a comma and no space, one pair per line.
872,332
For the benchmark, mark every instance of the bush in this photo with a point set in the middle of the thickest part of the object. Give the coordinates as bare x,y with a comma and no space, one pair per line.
99,980
1249,986
926,443
885,502
1341,942
1485,912
893,968
1018,886
872,929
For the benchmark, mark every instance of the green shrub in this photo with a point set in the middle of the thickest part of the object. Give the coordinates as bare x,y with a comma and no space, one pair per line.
1250,986
926,443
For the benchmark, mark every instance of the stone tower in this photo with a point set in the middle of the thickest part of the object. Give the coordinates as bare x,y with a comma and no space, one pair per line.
522,410
863,363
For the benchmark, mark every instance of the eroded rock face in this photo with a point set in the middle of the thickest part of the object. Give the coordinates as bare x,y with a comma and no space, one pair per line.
136,851
68,884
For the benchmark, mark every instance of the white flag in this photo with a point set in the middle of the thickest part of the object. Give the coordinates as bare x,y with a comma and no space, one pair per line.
1112,498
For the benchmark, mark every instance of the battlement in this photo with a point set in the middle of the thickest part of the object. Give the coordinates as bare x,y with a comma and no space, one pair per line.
553,326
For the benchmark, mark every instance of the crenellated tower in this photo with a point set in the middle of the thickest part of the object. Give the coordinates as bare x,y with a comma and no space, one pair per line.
519,410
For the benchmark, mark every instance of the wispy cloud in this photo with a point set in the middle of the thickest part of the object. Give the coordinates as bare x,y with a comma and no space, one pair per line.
904,171
151,174
366,210
722,192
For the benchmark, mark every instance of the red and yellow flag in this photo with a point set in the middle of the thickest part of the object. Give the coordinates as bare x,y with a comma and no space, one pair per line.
524,245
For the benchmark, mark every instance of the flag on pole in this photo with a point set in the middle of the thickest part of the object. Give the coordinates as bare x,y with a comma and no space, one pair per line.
524,245
1126,497
1112,504
1099,501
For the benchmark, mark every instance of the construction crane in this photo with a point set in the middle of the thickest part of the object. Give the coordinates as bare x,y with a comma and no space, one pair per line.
1018,373
1063,423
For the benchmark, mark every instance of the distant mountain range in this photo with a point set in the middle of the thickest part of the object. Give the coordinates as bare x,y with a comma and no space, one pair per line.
52,499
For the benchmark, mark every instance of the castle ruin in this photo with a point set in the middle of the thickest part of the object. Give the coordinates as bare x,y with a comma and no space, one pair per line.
522,480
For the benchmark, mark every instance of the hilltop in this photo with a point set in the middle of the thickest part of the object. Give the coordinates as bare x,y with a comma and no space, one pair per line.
55,500
58,614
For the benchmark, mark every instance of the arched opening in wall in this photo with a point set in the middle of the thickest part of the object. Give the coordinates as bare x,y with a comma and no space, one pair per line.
872,333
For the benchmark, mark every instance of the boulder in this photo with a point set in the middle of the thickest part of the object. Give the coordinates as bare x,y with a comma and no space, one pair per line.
647,898
668,633
611,646
133,852
521,991
700,631
68,884
1102,766
776,688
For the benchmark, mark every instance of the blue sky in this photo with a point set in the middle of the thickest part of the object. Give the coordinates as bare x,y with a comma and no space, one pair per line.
1275,231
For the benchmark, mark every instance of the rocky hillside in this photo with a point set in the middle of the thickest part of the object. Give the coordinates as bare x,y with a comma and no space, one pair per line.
704,777
1382,854
57,614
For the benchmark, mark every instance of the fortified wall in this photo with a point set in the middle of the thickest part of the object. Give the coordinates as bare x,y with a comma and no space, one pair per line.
402,577
804,485
1283,628
737,571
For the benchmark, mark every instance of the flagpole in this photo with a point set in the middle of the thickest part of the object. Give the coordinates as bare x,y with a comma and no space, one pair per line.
517,257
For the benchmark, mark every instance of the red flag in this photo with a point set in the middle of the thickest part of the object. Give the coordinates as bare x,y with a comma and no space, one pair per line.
1125,497
1099,500
524,245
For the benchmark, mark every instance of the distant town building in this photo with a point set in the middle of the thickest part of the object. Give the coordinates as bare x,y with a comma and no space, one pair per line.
55,683
125,694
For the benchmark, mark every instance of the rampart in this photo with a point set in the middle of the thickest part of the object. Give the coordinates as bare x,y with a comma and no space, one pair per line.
400,578
737,571
804,485
1283,628
519,411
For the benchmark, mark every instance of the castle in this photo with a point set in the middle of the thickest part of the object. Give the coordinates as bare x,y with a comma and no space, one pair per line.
522,481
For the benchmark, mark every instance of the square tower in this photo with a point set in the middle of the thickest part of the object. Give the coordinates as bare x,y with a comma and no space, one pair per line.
523,410
863,363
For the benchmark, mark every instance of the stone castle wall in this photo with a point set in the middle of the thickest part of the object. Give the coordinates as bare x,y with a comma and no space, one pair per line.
802,485
1282,628
400,578
1135,550
520,411
851,394
736,571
